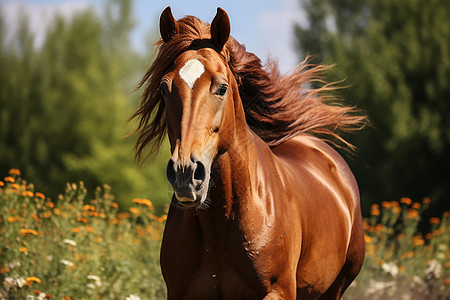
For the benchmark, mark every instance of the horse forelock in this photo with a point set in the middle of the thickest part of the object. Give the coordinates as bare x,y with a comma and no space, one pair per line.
276,107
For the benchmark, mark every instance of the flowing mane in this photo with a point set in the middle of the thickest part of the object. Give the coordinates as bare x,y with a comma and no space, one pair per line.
276,107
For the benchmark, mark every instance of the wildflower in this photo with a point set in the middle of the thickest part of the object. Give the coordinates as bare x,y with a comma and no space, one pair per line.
435,220
96,279
416,205
90,286
76,229
67,263
4,270
66,298
14,281
419,242
30,280
390,268
133,297
380,227
412,213
2,183
24,232
15,186
426,200
113,221
406,200
89,207
367,238
47,214
124,215
23,249
14,172
9,179
70,242
134,210
433,270
428,236
447,265
115,205
27,194
446,214
50,204
447,281
437,232
146,202
89,229
15,219
39,195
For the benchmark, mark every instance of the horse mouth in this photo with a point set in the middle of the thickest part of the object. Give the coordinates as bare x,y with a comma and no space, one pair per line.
191,198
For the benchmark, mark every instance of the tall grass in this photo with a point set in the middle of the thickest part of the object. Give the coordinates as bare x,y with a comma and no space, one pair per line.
76,248
79,248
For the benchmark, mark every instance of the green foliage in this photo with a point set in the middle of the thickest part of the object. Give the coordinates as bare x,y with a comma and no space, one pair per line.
396,57
96,252
65,105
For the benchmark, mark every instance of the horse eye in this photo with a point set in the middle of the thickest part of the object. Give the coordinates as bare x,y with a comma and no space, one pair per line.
222,90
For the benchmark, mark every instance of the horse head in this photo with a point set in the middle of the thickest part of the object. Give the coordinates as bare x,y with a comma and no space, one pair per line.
198,93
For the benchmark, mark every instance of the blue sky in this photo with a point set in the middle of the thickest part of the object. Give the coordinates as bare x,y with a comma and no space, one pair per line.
265,27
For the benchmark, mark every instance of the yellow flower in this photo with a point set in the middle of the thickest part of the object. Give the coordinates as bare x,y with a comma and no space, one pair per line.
406,200
29,280
14,172
24,232
146,202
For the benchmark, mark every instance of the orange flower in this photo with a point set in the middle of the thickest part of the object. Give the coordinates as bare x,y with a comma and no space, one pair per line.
89,207
65,298
375,212
416,205
82,220
408,255
446,214
412,213
4,270
135,210
2,183
426,200
29,280
401,268
367,239
23,249
146,202
419,242
57,211
437,232
14,172
386,204
374,206
47,214
50,204
435,220
406,200
89,229
10,179
115,205
447,281
15,186
124,215
113,221
447,264
39,195
24,232
75,229
380,227
428,236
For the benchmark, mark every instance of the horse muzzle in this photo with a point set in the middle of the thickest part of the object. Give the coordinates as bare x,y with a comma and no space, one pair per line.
189,181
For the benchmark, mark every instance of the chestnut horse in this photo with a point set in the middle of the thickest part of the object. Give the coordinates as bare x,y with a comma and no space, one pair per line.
261,208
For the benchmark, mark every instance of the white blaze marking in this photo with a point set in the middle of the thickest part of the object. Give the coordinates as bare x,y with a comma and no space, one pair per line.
191,71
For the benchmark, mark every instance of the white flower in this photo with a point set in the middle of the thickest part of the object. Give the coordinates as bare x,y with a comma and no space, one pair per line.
67,263
376,286
90,285
70,242
11,281
133,297
13,264
97,280
434,270
390,268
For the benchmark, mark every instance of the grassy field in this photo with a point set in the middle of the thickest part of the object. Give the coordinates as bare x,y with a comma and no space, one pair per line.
79,248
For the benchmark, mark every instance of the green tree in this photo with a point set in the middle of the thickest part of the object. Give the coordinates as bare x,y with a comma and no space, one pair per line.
65,105
395,54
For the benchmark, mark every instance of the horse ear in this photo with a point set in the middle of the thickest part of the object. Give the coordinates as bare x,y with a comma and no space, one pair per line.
220,28
168,26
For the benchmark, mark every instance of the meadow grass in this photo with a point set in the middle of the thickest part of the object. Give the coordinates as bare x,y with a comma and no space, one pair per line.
80,248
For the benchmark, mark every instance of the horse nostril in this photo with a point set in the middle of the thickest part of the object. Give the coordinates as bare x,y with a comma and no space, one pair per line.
170,172
200,172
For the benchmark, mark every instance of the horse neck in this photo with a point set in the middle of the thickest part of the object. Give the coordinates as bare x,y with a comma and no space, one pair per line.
236,171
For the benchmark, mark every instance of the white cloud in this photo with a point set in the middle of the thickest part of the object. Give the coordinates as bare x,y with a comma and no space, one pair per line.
279,28
39,15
